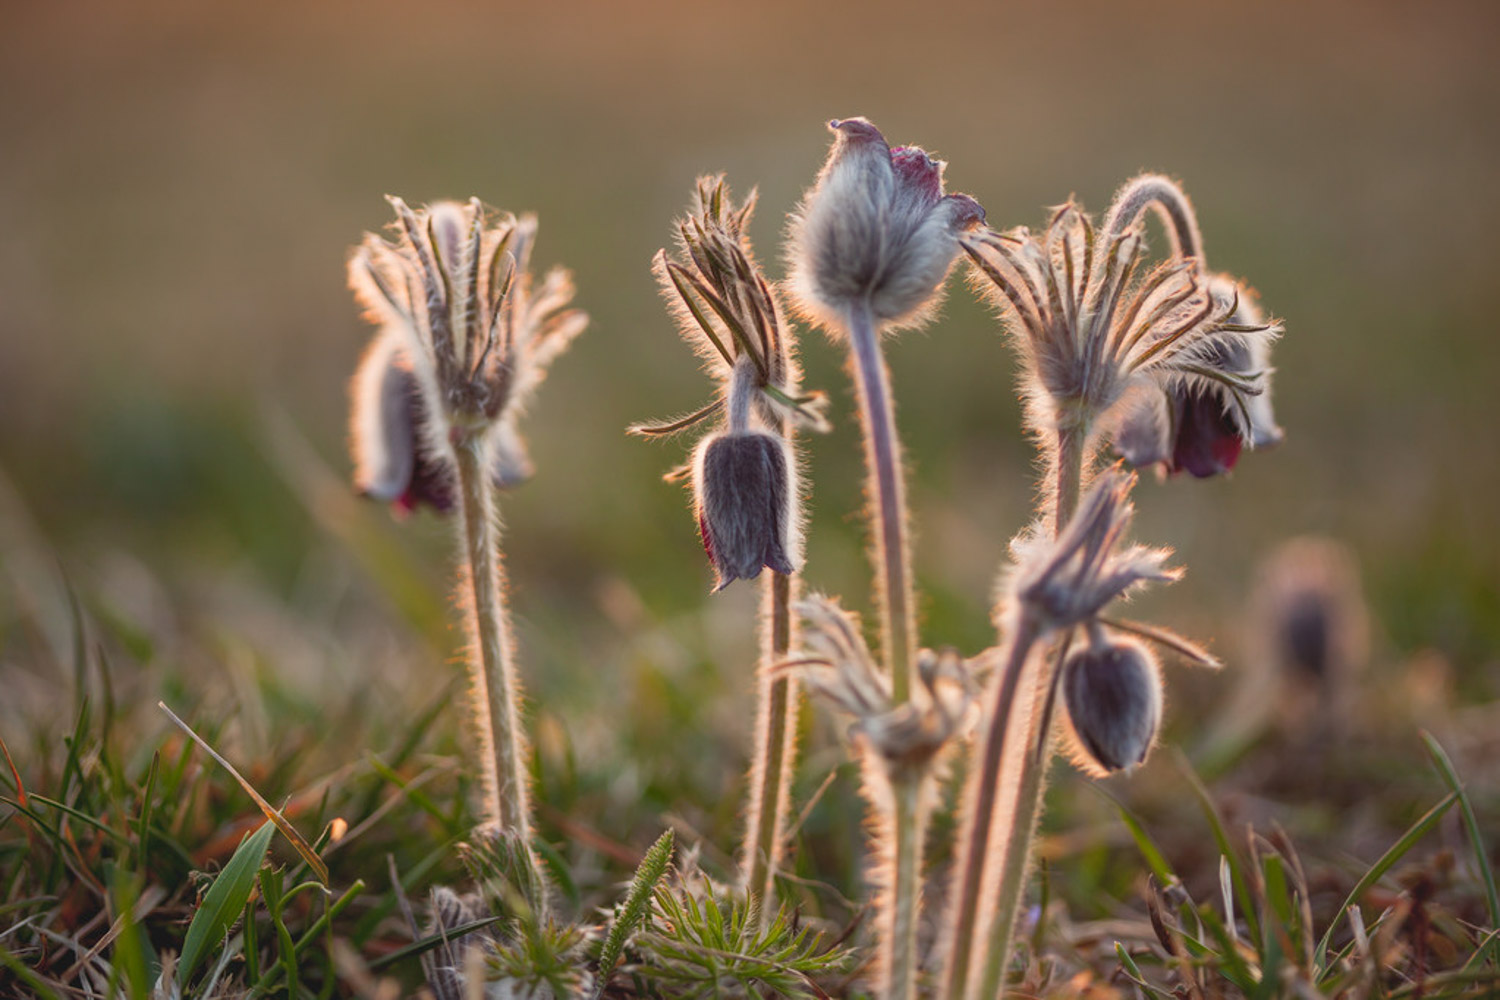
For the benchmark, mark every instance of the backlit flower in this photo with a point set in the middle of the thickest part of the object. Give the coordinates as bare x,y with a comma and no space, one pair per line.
466,336
1170,365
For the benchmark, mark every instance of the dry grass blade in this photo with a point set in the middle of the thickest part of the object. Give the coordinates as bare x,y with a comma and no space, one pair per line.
272,813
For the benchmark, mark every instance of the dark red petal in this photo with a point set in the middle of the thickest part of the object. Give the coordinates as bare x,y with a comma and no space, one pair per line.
915,169
1206,440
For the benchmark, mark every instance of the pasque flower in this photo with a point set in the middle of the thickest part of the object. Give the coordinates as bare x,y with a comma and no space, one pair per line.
466,336
388,439
876,229
743,473
1168,364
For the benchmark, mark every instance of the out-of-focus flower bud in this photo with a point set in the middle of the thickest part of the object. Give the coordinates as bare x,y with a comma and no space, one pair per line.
1114,697
393,454
744,494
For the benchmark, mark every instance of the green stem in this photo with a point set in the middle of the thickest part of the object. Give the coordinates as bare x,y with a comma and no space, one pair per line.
775,749
491,667
898,633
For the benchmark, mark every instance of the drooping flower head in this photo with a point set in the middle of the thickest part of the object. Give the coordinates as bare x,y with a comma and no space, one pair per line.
744,472
466,335
876,230
1170,364
1113,694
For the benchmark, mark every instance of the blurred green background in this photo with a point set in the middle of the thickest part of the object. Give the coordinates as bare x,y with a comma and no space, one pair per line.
181,181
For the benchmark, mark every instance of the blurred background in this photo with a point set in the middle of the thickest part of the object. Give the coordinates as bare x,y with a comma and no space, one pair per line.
181,182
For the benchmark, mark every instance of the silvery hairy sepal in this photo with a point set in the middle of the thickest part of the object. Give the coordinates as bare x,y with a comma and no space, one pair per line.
1101,342
1113,692
876,228
392,463
1199,425
1068,580
836,664
466,336
744,493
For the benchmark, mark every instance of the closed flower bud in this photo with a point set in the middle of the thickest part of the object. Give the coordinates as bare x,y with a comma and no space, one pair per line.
1114,698
744,493
877,228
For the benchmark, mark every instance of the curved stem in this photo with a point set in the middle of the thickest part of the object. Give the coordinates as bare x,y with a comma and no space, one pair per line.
1170,202
775,749
898,642
491,670
981,803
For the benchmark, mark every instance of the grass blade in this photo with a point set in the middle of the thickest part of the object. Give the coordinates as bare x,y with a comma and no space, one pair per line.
1397,850
272,813
1476,839
224,901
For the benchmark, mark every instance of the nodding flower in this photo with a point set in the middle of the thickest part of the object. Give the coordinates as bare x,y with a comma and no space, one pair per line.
743,495
1113,693
1200,426
1171,366
744,472
876,231
387,425
466,336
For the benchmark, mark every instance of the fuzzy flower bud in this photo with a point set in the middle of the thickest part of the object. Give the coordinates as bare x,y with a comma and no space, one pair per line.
743,493
1113,692
877,229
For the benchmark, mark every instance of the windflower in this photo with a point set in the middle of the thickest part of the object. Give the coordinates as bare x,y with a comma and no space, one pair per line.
1113,694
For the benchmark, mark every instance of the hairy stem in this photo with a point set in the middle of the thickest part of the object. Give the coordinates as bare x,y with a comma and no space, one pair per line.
1015,857
898,640
1170,202
491,667
906,885
982,804
1071,442
775,748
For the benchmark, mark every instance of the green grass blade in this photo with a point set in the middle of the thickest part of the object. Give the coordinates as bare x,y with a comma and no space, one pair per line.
430,942
1221,837
1476,839
224,901
1397,851
1134,971
271,812
1155,860
635,908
